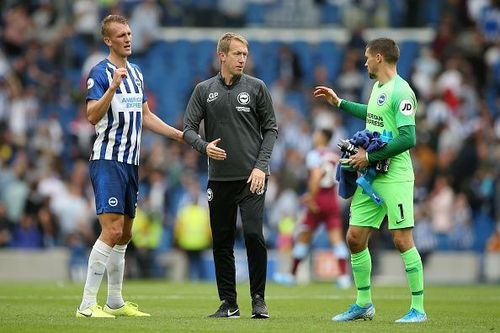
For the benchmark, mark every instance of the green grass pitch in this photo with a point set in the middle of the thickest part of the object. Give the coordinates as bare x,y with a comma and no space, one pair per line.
182,307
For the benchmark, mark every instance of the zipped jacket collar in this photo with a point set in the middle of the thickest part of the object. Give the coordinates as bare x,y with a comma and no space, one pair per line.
235,81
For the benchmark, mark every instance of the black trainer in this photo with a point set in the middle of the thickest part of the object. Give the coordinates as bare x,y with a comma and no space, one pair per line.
226,310
259,308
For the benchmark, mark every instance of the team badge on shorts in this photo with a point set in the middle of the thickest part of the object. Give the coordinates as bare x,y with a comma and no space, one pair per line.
210,194
113,201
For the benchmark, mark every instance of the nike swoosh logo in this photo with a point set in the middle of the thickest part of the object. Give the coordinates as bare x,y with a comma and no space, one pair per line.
399,222
229,313
84,314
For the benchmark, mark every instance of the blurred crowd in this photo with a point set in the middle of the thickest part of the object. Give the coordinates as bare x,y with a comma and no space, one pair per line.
45,196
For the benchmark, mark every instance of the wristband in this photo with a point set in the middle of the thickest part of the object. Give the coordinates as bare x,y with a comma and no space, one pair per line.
338,103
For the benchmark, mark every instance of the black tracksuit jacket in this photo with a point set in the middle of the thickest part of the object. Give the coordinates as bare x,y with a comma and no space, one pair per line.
242,115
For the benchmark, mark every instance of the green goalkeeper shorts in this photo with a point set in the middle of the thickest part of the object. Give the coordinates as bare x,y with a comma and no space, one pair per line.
398,206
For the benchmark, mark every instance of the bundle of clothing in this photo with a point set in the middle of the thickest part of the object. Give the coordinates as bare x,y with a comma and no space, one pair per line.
348,177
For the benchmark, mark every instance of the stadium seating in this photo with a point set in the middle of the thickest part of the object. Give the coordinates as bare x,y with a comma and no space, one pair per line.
331,14
409,52
255,14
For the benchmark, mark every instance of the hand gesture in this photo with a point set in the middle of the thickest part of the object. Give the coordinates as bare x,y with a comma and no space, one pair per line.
118,75
215,152
328,94
257,181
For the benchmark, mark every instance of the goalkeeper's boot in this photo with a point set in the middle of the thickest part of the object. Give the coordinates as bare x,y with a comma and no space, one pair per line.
413,316
128,309
226,310
95,311
356,312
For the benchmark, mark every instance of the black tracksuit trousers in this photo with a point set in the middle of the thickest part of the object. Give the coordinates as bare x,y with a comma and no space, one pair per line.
224,198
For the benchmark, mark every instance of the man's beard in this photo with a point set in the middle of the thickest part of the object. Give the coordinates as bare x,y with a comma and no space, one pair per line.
372,76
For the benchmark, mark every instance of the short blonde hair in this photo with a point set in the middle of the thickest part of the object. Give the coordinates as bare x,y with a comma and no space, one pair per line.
111,19
225,41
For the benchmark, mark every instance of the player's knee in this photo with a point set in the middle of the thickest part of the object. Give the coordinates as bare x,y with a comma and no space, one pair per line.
402,243
115,234
354,241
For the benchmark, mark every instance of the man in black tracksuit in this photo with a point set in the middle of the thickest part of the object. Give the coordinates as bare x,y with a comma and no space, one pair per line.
240,132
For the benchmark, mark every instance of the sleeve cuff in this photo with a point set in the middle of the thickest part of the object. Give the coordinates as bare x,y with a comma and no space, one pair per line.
261,168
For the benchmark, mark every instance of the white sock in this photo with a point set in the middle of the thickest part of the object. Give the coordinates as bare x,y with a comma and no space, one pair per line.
95,271
341,251
116,268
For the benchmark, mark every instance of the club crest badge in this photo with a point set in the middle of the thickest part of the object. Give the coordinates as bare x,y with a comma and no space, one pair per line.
243,98
381,99
113,201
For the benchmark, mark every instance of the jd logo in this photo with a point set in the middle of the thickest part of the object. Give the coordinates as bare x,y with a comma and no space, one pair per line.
406,107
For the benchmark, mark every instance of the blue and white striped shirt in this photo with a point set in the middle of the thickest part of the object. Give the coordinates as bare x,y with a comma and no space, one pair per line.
119,130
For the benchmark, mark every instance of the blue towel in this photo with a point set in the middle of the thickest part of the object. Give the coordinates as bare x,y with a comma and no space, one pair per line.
370,141
347,181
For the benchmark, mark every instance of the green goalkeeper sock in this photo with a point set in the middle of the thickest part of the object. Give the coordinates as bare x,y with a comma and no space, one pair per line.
361,271
415,276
